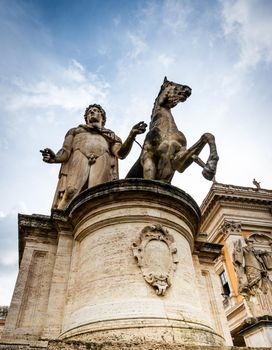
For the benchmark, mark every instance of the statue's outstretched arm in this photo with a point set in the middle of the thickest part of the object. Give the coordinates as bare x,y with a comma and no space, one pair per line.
122,150
62,155
48,155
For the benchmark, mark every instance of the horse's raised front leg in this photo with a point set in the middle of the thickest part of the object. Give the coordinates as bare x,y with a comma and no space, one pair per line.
185,158
209,169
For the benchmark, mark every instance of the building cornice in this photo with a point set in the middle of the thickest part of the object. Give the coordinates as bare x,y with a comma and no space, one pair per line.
35,225
237,196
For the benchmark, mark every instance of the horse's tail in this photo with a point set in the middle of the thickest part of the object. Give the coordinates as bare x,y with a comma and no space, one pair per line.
136,171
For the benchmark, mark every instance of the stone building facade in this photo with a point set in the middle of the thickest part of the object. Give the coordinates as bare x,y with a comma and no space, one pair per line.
240,219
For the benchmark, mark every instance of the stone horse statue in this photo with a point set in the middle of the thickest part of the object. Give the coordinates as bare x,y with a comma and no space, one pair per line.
165,147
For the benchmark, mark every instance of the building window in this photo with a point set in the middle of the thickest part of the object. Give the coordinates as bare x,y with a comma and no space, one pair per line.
225,284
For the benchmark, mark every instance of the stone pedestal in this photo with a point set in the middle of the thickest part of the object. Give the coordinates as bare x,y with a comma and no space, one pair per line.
132,275
120,264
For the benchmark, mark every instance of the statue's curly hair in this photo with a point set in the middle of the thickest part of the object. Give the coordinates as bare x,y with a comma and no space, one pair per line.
101,110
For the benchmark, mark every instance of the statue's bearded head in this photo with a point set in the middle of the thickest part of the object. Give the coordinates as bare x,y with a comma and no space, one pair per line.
95,114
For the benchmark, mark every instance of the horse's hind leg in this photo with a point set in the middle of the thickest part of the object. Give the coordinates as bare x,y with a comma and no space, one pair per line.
148,164
149,169
165,170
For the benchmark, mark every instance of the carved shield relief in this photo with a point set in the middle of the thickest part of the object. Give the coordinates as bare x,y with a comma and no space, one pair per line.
156,255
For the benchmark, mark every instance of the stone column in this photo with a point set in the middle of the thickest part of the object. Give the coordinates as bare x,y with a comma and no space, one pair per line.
132,276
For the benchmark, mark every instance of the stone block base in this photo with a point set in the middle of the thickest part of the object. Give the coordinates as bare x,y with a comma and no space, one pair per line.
81,345
258,331
159,331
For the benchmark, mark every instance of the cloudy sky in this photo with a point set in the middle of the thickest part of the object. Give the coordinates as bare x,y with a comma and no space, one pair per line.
59,56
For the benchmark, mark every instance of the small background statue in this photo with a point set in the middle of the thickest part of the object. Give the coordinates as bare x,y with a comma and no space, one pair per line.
89,155
165,147
257,184
238,262
253,267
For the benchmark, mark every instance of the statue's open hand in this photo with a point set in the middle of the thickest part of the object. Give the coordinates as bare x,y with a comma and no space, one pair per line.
48,155
139,128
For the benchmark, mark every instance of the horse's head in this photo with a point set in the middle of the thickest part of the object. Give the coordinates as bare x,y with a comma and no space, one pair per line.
172,93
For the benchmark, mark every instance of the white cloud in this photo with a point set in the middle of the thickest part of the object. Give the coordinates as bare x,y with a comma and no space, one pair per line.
19,206
103,50
168,15
7,283
71,88
175,14
8,252
249,21
138,45
166,60
75,72
9,257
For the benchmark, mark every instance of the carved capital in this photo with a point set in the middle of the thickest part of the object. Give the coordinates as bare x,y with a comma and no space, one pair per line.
156,255
230,228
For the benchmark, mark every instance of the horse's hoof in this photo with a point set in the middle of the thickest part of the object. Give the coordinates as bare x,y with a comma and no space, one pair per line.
208,173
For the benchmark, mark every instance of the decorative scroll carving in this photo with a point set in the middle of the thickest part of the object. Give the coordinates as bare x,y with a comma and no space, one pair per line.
253,266
156,255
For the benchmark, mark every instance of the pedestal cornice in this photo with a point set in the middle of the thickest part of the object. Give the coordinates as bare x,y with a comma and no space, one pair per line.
135,190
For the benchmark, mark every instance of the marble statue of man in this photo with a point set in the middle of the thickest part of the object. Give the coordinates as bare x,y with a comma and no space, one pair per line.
89,155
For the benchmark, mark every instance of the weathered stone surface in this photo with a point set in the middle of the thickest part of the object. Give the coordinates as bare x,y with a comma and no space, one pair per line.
3,316
82,345
257,331
252,259
156,255
79,277
28,309
21,347
107,296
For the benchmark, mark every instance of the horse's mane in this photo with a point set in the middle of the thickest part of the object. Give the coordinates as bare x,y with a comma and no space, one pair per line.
156,99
